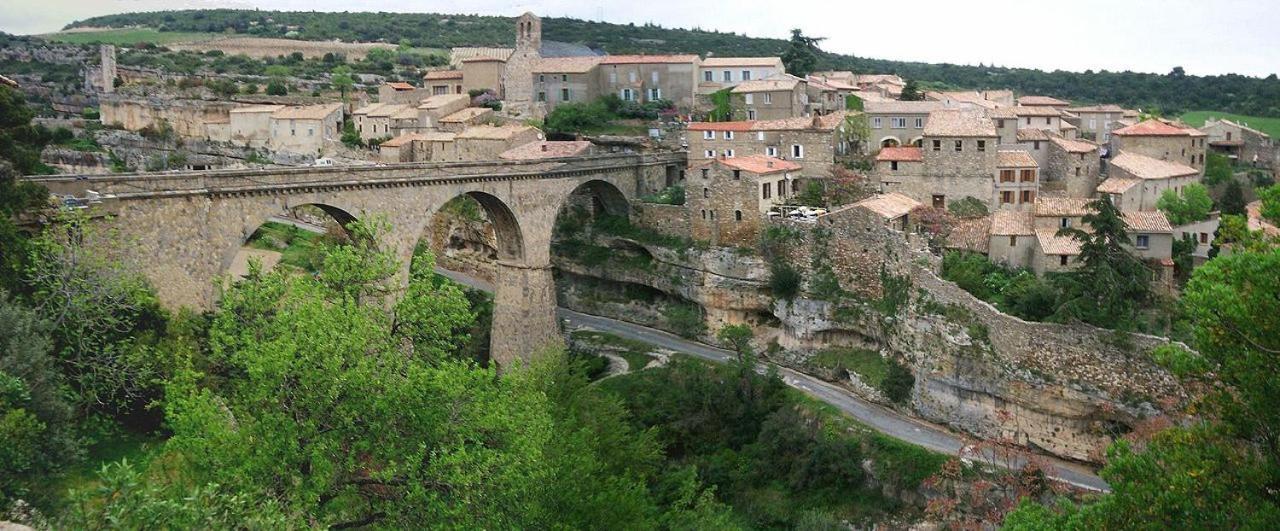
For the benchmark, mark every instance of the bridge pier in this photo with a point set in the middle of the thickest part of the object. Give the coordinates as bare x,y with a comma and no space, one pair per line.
524,318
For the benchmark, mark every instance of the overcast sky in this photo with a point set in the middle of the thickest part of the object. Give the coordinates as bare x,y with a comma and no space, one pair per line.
1204,37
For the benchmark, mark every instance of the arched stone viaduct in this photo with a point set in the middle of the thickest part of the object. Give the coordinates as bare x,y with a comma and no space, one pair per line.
184,229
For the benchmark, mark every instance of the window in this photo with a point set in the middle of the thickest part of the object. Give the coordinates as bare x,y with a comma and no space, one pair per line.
746,75
939,201
711,154
876,123
1028,176
1204,237
749,99
708,135
937,145
1077,171
1062,260
919,123
760,136
728,76
737,175
893,165
771,151
311,131
1035,145
360,128
1028,196
564,94
898,123
1143,241
704,213
1064,223
1000,124
797,151
713,215
1093,124
439,90
982,145
959,145
751,114
708,76
728,153
706,192
1028,120
705,171
1006,197
737,215
1006,176
766,190
795,186
1013,241
782,188
768,98
628,94
542,78
564,78
631,76
1048,120
655,94
542,95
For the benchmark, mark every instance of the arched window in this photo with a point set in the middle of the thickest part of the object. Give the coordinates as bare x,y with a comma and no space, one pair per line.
706,192
704,213
737,215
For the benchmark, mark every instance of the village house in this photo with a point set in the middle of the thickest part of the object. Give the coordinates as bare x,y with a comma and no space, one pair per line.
1010,120
894,208
374,120
251,126
717,73
305,129
486,142
815,143
1240,143
1072,167
1135,182
464,118
898,123
828,96
547,149
962,98
1163,141
1018,180
959,159
775,98
417,147
560,80
1029,239
1095,121
401,92
645,78
484,73
729,198
1043,101
441,82
435,108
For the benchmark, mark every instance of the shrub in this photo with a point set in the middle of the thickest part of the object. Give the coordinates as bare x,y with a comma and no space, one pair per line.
784,280
277,88
1192,205
968,207
685,320
90,113
575,117
672,195
898,382
1029,297
1270,203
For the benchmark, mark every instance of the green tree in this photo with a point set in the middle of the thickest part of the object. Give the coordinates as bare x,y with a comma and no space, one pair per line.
277,88
911,92
801,55
20,142
1192,205
1217,169
1111,284
342,79
1270,198
1233,199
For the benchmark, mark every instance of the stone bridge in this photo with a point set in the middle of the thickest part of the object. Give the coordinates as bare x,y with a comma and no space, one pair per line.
183,229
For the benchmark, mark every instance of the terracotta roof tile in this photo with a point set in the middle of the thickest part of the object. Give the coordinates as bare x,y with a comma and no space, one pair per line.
460,54
782,82
436,75
1144,167
1074,146
1040,100
647,59
738,126
1015,159
823,122
1062,206
902,107
307,112
467,114
1151,128
759,164
971,235
889,206
900,154
256,109
546,149
1032,135
490,132
1052,244
566,65
400,85
1097,108
1012,223
441,100
1154,221
957,123
741,61
1117,185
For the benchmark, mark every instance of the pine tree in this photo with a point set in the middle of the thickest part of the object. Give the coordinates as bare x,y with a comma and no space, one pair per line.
911,92
801,57
1111,283
1233,199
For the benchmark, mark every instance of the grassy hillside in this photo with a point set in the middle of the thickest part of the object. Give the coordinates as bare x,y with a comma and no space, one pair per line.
1270,126
1172,94
127,36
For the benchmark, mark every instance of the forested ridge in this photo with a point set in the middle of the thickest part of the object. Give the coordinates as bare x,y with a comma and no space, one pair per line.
1171,93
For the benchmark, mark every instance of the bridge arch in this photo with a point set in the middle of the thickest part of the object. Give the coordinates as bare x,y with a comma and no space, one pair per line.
234,259
600,197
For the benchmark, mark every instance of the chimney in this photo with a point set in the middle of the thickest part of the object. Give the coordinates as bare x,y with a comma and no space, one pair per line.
817,121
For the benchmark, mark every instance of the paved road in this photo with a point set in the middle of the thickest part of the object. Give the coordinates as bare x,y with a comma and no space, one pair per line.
879,418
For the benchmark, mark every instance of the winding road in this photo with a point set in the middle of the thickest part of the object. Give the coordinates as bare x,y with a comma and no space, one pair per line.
877,417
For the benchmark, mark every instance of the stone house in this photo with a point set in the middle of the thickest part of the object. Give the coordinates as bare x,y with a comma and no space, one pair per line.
892,164
827,96
1163,141
374,120
729,198
644,78
435,108
565,80
484,73
775,98
717,73
1043,101
960,156
464,118
306,129
962,98
402,93
1240,142
1010,120
1018,180
898,123
486,142
441,82
417,147
1035,142
815,143
1095,121
894,208
547,149
1029,239
1135,182
1073,167
251,126
1203,232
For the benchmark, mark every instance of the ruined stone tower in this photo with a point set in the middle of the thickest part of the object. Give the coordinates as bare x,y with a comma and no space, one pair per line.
108,68
519,70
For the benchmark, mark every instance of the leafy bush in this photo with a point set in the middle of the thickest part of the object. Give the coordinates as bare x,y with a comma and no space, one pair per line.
1270,203
577,117
898,382
685,320
784,280
967,207
1192,205
277,88
671,195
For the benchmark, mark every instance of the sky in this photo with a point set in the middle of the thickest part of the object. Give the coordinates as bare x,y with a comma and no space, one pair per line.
1204,37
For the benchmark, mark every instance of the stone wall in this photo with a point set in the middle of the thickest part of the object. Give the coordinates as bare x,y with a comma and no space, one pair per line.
671,220
1074,174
